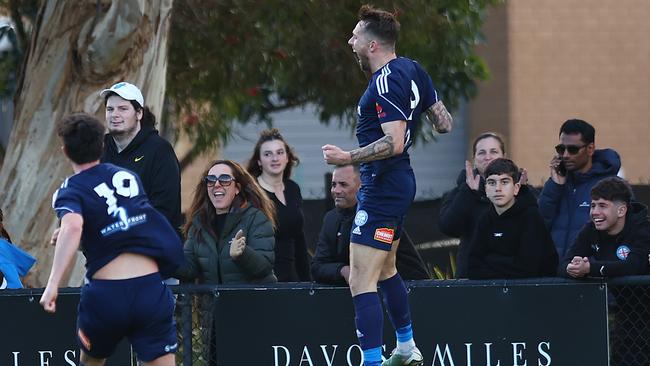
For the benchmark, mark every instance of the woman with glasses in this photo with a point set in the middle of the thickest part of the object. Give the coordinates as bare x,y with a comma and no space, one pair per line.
462,206
272,162
229,229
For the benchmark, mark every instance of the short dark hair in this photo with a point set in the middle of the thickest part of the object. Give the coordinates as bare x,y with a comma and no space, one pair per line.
503,166
574,126
380,23
355,167
82,136
486,135
612,189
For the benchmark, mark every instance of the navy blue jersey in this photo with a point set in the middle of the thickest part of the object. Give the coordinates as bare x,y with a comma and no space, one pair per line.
400,90
117,218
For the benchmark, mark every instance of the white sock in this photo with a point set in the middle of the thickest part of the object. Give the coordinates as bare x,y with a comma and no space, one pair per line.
406,348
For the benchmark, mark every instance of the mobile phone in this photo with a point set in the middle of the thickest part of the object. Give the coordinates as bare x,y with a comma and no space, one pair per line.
561,169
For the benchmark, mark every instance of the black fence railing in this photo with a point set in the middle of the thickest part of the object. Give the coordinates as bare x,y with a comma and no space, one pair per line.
548,321
627,312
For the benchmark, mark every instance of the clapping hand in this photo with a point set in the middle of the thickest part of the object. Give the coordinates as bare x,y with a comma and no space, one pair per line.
472,180
523,177
237,245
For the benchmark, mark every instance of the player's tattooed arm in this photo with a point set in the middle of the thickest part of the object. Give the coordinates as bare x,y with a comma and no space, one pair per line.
441,119
380,149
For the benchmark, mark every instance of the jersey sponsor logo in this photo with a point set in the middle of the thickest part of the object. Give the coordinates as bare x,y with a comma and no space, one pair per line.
138,158
124,224
384,235
585,204
595,247
380,111
361,218
622,252
84,339
356,231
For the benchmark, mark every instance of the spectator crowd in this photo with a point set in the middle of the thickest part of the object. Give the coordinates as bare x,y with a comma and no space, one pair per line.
583,222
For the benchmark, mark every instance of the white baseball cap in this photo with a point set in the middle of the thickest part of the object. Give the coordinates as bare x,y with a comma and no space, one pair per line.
125,90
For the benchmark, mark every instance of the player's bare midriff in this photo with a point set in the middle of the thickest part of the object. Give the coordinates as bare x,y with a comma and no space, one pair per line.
125,266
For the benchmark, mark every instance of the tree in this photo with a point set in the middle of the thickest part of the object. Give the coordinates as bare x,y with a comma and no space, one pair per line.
238,60
77,48
229,61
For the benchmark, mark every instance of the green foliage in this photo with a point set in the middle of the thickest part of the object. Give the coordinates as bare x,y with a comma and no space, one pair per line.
241,60
449,273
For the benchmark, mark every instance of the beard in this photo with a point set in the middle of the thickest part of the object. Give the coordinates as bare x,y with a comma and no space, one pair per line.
364,63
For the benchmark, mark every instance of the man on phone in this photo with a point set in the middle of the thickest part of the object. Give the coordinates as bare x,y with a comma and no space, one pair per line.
575,168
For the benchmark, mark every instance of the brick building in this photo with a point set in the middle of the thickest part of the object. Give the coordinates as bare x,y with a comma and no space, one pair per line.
558,59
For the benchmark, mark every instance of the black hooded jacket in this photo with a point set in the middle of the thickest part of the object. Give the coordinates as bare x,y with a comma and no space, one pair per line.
515,244
623,254
333,251
153,159
460,211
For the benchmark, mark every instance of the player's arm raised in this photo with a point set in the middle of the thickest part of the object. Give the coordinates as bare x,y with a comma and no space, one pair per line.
391,144
66,248
439,117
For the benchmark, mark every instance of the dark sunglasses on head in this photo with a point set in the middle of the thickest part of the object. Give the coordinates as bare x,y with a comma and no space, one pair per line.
224,179
572,149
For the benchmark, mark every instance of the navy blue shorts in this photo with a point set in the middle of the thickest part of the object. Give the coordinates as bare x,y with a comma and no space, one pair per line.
140,308
384,201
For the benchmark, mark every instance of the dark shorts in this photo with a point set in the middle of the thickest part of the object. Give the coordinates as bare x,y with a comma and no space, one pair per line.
140,308
384,201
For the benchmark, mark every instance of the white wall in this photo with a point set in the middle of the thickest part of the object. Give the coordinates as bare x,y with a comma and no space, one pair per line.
436,164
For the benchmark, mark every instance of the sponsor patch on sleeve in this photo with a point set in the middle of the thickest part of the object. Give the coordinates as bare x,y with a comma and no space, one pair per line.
385,235
84,339
380,111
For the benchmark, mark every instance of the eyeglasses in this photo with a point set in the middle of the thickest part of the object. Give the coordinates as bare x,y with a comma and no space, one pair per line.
572,149
224,180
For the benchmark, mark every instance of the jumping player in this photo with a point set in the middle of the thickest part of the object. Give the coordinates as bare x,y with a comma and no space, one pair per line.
127,245
398,92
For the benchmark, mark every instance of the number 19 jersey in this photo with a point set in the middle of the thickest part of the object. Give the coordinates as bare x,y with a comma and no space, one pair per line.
117,218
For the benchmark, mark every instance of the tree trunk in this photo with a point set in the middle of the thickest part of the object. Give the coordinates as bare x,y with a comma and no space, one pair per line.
77,49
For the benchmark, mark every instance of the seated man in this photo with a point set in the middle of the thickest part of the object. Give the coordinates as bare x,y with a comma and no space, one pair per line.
617,240
331,263
511,240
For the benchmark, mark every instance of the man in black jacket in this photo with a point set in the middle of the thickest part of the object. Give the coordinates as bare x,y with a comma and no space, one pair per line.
133,143
331,263
617,240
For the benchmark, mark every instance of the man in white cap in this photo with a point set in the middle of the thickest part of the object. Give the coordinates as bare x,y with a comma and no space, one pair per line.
133,143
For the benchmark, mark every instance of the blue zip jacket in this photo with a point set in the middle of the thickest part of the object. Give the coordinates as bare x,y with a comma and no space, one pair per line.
14,263
565,208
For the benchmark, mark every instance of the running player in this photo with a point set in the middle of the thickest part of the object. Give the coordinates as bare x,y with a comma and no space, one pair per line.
127,245
398,92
